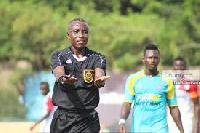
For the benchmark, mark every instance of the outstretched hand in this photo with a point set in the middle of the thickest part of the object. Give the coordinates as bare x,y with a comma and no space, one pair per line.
100,82
69,79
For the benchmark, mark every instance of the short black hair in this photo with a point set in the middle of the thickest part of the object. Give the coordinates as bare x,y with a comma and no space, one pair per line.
151,47
46,84
78,19
179,59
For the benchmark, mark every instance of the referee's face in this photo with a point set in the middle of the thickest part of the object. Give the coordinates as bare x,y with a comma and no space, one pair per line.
151,59
78,34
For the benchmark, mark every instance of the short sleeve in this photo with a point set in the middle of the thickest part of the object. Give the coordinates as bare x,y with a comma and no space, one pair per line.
129,90
193,91
100,62
56,60
50,104
171,94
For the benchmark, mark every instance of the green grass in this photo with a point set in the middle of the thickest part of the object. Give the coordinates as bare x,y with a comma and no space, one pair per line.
11,109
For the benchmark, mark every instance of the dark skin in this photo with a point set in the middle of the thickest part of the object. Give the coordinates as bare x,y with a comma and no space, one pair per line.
151,60
181,65
44,91
78,35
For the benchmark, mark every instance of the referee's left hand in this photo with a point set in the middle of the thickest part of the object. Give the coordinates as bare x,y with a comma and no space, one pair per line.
100,82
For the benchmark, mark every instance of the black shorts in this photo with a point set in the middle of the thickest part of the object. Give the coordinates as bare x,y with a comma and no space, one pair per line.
84,121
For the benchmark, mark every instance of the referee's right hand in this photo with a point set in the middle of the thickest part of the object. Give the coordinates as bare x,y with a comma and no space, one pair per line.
69,79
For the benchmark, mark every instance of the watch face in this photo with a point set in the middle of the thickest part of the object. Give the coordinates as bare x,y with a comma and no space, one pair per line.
62,82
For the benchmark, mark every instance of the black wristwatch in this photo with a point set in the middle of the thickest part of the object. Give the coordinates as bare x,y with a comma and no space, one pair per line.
61,80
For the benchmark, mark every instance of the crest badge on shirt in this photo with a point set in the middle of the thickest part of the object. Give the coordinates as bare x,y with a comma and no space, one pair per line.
88,75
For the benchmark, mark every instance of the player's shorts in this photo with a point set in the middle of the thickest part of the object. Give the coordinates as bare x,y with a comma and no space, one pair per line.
83,121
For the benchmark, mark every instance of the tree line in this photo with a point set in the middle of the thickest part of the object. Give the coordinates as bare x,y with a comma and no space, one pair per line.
31,30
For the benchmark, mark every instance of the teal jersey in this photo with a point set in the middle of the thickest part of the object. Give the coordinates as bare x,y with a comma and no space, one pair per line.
149,96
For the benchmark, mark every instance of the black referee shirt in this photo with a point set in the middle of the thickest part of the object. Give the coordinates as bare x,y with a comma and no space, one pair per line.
83,94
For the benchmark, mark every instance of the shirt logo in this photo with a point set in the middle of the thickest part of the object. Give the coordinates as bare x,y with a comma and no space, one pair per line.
160,88
148,96
69,61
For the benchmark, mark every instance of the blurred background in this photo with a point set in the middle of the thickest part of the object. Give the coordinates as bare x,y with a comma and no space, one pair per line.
30,30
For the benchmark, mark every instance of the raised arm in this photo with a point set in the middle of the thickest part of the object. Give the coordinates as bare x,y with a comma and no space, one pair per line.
100,71
58,72
57,67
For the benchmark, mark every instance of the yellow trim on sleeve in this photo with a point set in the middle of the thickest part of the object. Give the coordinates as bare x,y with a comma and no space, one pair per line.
174,105
132,81
170,89
127,101
170,93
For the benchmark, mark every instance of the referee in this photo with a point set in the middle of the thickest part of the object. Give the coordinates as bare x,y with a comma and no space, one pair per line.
79,72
